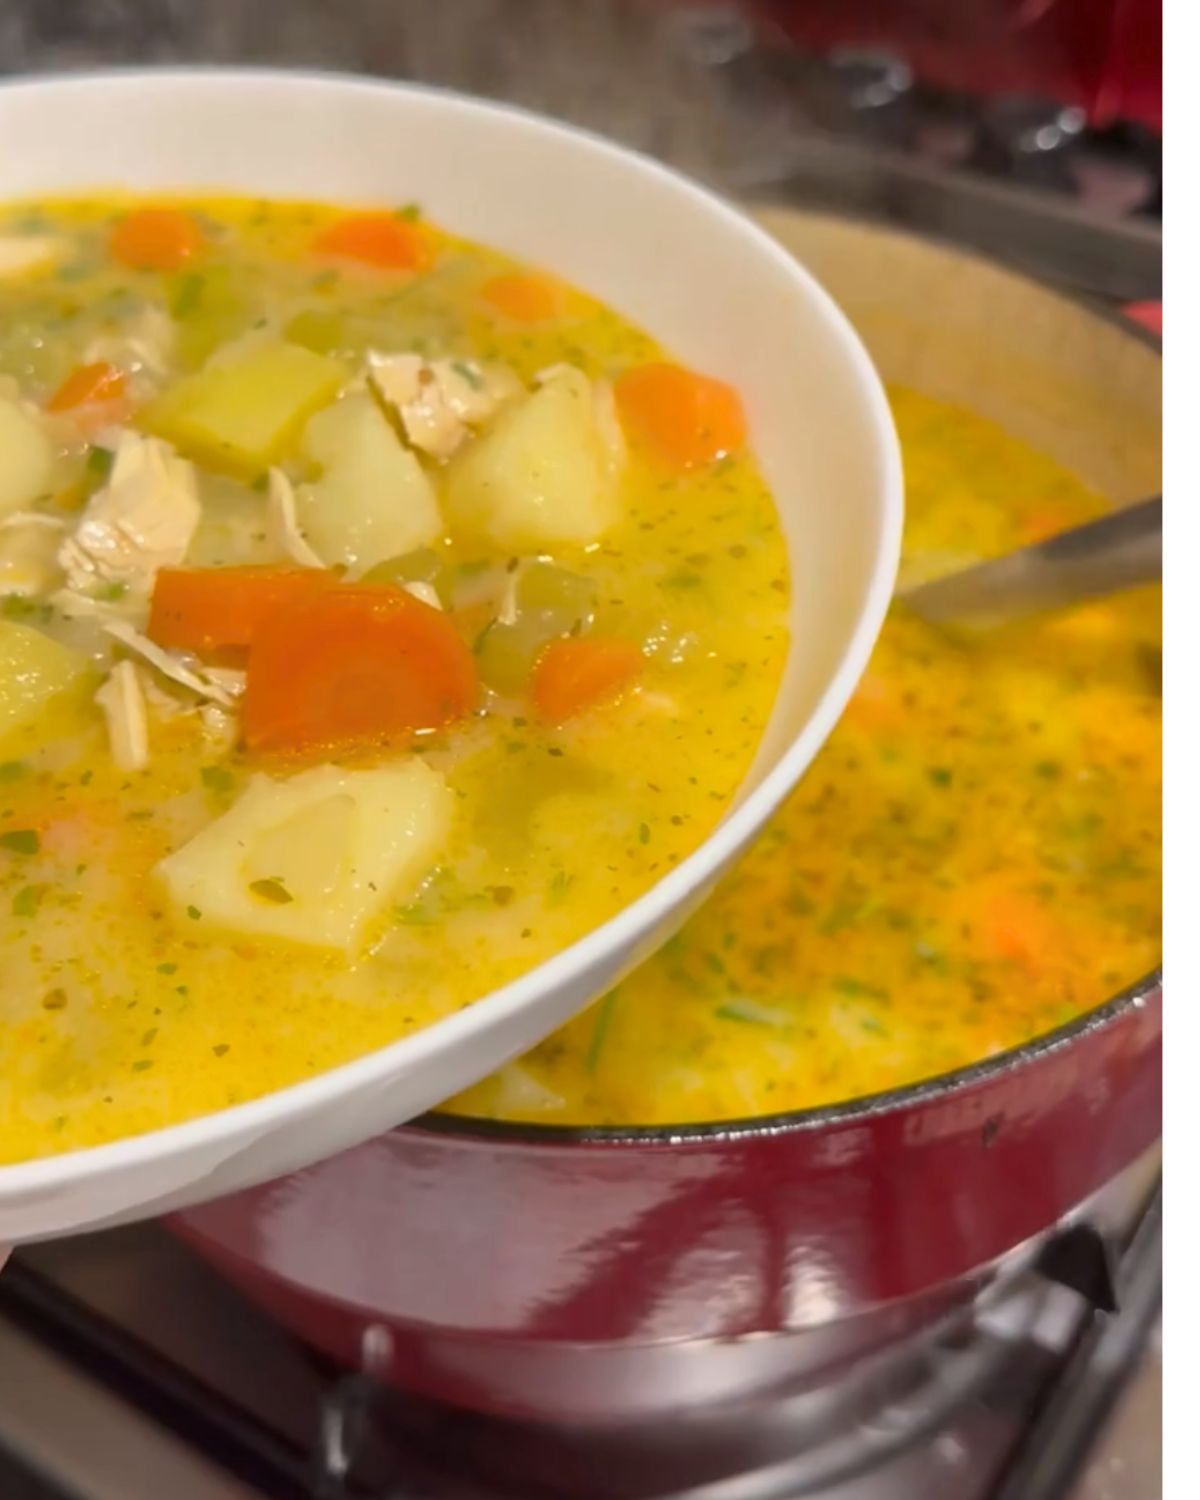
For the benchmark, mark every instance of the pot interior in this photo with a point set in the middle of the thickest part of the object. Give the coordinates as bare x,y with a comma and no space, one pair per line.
1074,382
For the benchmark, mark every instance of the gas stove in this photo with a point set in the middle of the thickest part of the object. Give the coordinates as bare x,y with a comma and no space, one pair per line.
130,1370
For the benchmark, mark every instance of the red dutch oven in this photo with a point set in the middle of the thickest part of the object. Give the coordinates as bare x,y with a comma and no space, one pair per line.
602,1275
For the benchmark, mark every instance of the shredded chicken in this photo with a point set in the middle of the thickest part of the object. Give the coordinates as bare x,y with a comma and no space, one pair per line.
425,592
143,519
508,610
27,252
231,679
283,529
143,344
125,717
29,551
161,701
218,726
220,684
438,401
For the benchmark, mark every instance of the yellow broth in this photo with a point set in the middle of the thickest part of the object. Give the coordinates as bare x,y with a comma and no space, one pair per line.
120,1011
973,860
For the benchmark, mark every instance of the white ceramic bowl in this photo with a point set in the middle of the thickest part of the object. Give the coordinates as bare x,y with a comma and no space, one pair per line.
712,287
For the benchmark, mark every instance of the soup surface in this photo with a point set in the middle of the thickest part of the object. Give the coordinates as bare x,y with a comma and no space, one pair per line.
973,859
376,616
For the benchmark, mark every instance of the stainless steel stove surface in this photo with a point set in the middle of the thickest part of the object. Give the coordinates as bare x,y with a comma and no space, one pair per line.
128,1370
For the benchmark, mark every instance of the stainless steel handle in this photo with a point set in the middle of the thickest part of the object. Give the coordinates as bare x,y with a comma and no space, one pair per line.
1118,551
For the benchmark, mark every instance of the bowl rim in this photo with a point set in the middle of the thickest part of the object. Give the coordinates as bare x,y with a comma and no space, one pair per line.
240,1126
1138,995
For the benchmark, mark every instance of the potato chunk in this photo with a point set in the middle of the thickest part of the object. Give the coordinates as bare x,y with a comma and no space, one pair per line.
544,474
28,465
247,405
314,859
33,670
373,500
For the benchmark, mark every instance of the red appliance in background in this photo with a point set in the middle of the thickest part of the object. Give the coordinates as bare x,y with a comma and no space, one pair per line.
1104,56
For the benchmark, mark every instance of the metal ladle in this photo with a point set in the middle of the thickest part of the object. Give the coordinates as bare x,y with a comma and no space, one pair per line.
1118,551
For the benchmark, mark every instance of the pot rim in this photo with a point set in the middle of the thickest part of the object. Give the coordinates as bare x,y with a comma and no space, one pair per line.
1136,996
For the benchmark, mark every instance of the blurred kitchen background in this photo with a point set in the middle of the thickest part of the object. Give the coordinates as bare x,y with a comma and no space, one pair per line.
1012,125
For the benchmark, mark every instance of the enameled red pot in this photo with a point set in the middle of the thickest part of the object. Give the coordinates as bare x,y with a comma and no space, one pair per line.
607,1275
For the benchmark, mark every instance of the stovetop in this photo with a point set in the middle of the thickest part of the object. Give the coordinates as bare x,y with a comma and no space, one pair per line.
130,1370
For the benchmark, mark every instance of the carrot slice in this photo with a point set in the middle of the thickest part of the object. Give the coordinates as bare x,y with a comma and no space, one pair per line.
351,666
208,609
88,385
380,240
574,674
523,298
685,419
156,239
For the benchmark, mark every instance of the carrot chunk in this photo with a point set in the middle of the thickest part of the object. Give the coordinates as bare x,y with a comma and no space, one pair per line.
156,239
574,674
686,420
209,609
380,240
88,385
351,666
523,298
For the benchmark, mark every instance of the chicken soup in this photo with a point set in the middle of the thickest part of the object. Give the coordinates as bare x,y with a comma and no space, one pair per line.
974,858
377,616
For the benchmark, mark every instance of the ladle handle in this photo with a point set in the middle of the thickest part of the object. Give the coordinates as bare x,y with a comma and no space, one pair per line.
1118,551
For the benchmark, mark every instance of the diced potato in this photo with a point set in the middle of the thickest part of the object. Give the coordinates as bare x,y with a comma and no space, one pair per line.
314,859
33,670
244,409
373,500
544,474
26,457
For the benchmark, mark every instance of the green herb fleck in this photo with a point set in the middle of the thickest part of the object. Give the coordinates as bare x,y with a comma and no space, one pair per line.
941,775
189,293
55,999
604,1011
748,1013
142,1063
1048,770
556,890
17,607
110,593
217,778
220,1049
21,840
13,770
644,833
845,985
168,968
683,578
194,913
261,483
98,464
472,376
409,212
27,900
272,889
